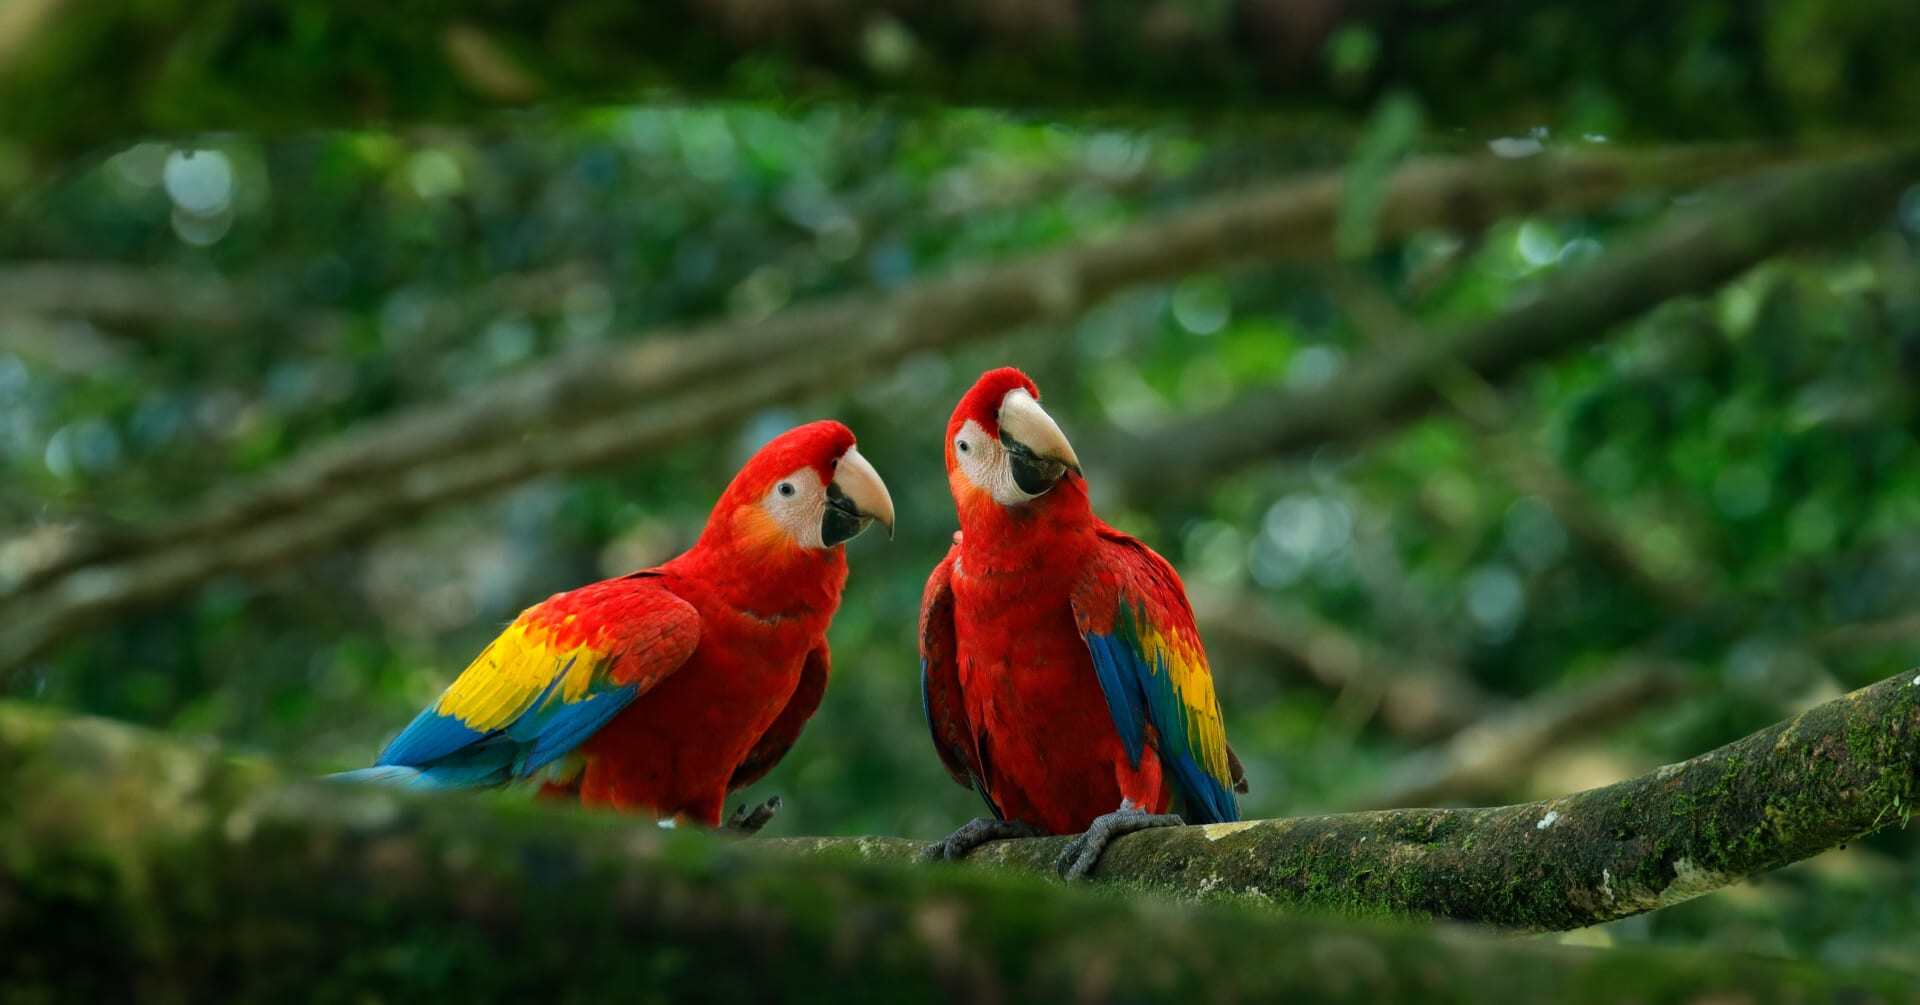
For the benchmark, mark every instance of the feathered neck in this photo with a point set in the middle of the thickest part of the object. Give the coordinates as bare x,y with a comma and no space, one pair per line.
767,580
1039,537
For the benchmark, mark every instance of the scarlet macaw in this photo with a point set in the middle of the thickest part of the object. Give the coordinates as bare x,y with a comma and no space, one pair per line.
666,689
1061,672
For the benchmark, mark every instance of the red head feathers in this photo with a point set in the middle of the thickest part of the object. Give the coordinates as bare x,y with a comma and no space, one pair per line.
1002,446
809,489
816,445
982,402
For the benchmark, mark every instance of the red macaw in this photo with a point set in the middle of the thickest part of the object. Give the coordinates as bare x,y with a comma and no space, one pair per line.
666,689
1061,672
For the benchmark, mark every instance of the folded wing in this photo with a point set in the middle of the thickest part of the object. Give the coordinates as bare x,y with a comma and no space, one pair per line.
940,696
785,730
1133,613
549,681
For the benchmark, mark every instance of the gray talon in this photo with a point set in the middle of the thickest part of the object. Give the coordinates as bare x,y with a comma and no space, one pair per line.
748,819
975,833
1081,854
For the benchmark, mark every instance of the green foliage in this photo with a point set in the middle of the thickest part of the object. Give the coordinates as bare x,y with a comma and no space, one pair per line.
1757,446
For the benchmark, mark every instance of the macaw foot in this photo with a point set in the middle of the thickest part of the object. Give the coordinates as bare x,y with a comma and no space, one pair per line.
747,819
975,833
1082,853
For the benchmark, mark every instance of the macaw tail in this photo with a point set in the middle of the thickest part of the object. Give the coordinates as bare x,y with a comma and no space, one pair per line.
469,769
392,774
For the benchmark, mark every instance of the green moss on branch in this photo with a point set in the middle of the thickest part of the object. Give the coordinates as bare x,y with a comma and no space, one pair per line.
1826,777
132,867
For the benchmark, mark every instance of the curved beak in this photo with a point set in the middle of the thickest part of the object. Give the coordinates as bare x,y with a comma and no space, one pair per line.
855,498
1036,448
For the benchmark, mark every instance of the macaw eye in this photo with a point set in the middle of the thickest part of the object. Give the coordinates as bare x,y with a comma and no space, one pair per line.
786,488
962,444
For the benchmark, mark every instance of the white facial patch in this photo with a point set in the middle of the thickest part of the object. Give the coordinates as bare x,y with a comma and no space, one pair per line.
985,463
797,503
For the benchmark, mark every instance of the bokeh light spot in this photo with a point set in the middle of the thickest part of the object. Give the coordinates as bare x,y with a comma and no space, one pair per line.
199,182
1201,305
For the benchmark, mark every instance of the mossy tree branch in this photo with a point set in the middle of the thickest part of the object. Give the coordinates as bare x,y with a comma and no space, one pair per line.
134,867
1819,780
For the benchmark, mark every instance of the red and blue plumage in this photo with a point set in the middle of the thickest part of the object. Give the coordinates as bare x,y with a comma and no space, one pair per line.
1132,611
1062,673
553,678
669,688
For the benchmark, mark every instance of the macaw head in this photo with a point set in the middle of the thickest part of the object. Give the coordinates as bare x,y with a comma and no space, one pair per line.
1002,446
808,489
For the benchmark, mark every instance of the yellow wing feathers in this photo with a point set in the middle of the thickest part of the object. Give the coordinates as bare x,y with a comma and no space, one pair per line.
513,672
1185,664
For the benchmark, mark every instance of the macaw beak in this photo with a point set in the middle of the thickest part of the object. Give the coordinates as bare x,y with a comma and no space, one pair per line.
1036,448
855,498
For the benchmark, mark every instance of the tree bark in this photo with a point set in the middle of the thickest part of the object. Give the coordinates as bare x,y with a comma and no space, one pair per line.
595,408
1828,776
132,866
76,73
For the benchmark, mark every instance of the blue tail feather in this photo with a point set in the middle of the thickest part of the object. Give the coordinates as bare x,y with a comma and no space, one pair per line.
478,767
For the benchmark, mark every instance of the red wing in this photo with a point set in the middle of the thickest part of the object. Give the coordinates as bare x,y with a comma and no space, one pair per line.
649,628
940,697
779,737
557,674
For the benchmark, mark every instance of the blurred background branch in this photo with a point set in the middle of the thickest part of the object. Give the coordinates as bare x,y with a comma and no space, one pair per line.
1488,758
1415,699
1669,578
120,295
596,407
1695,254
